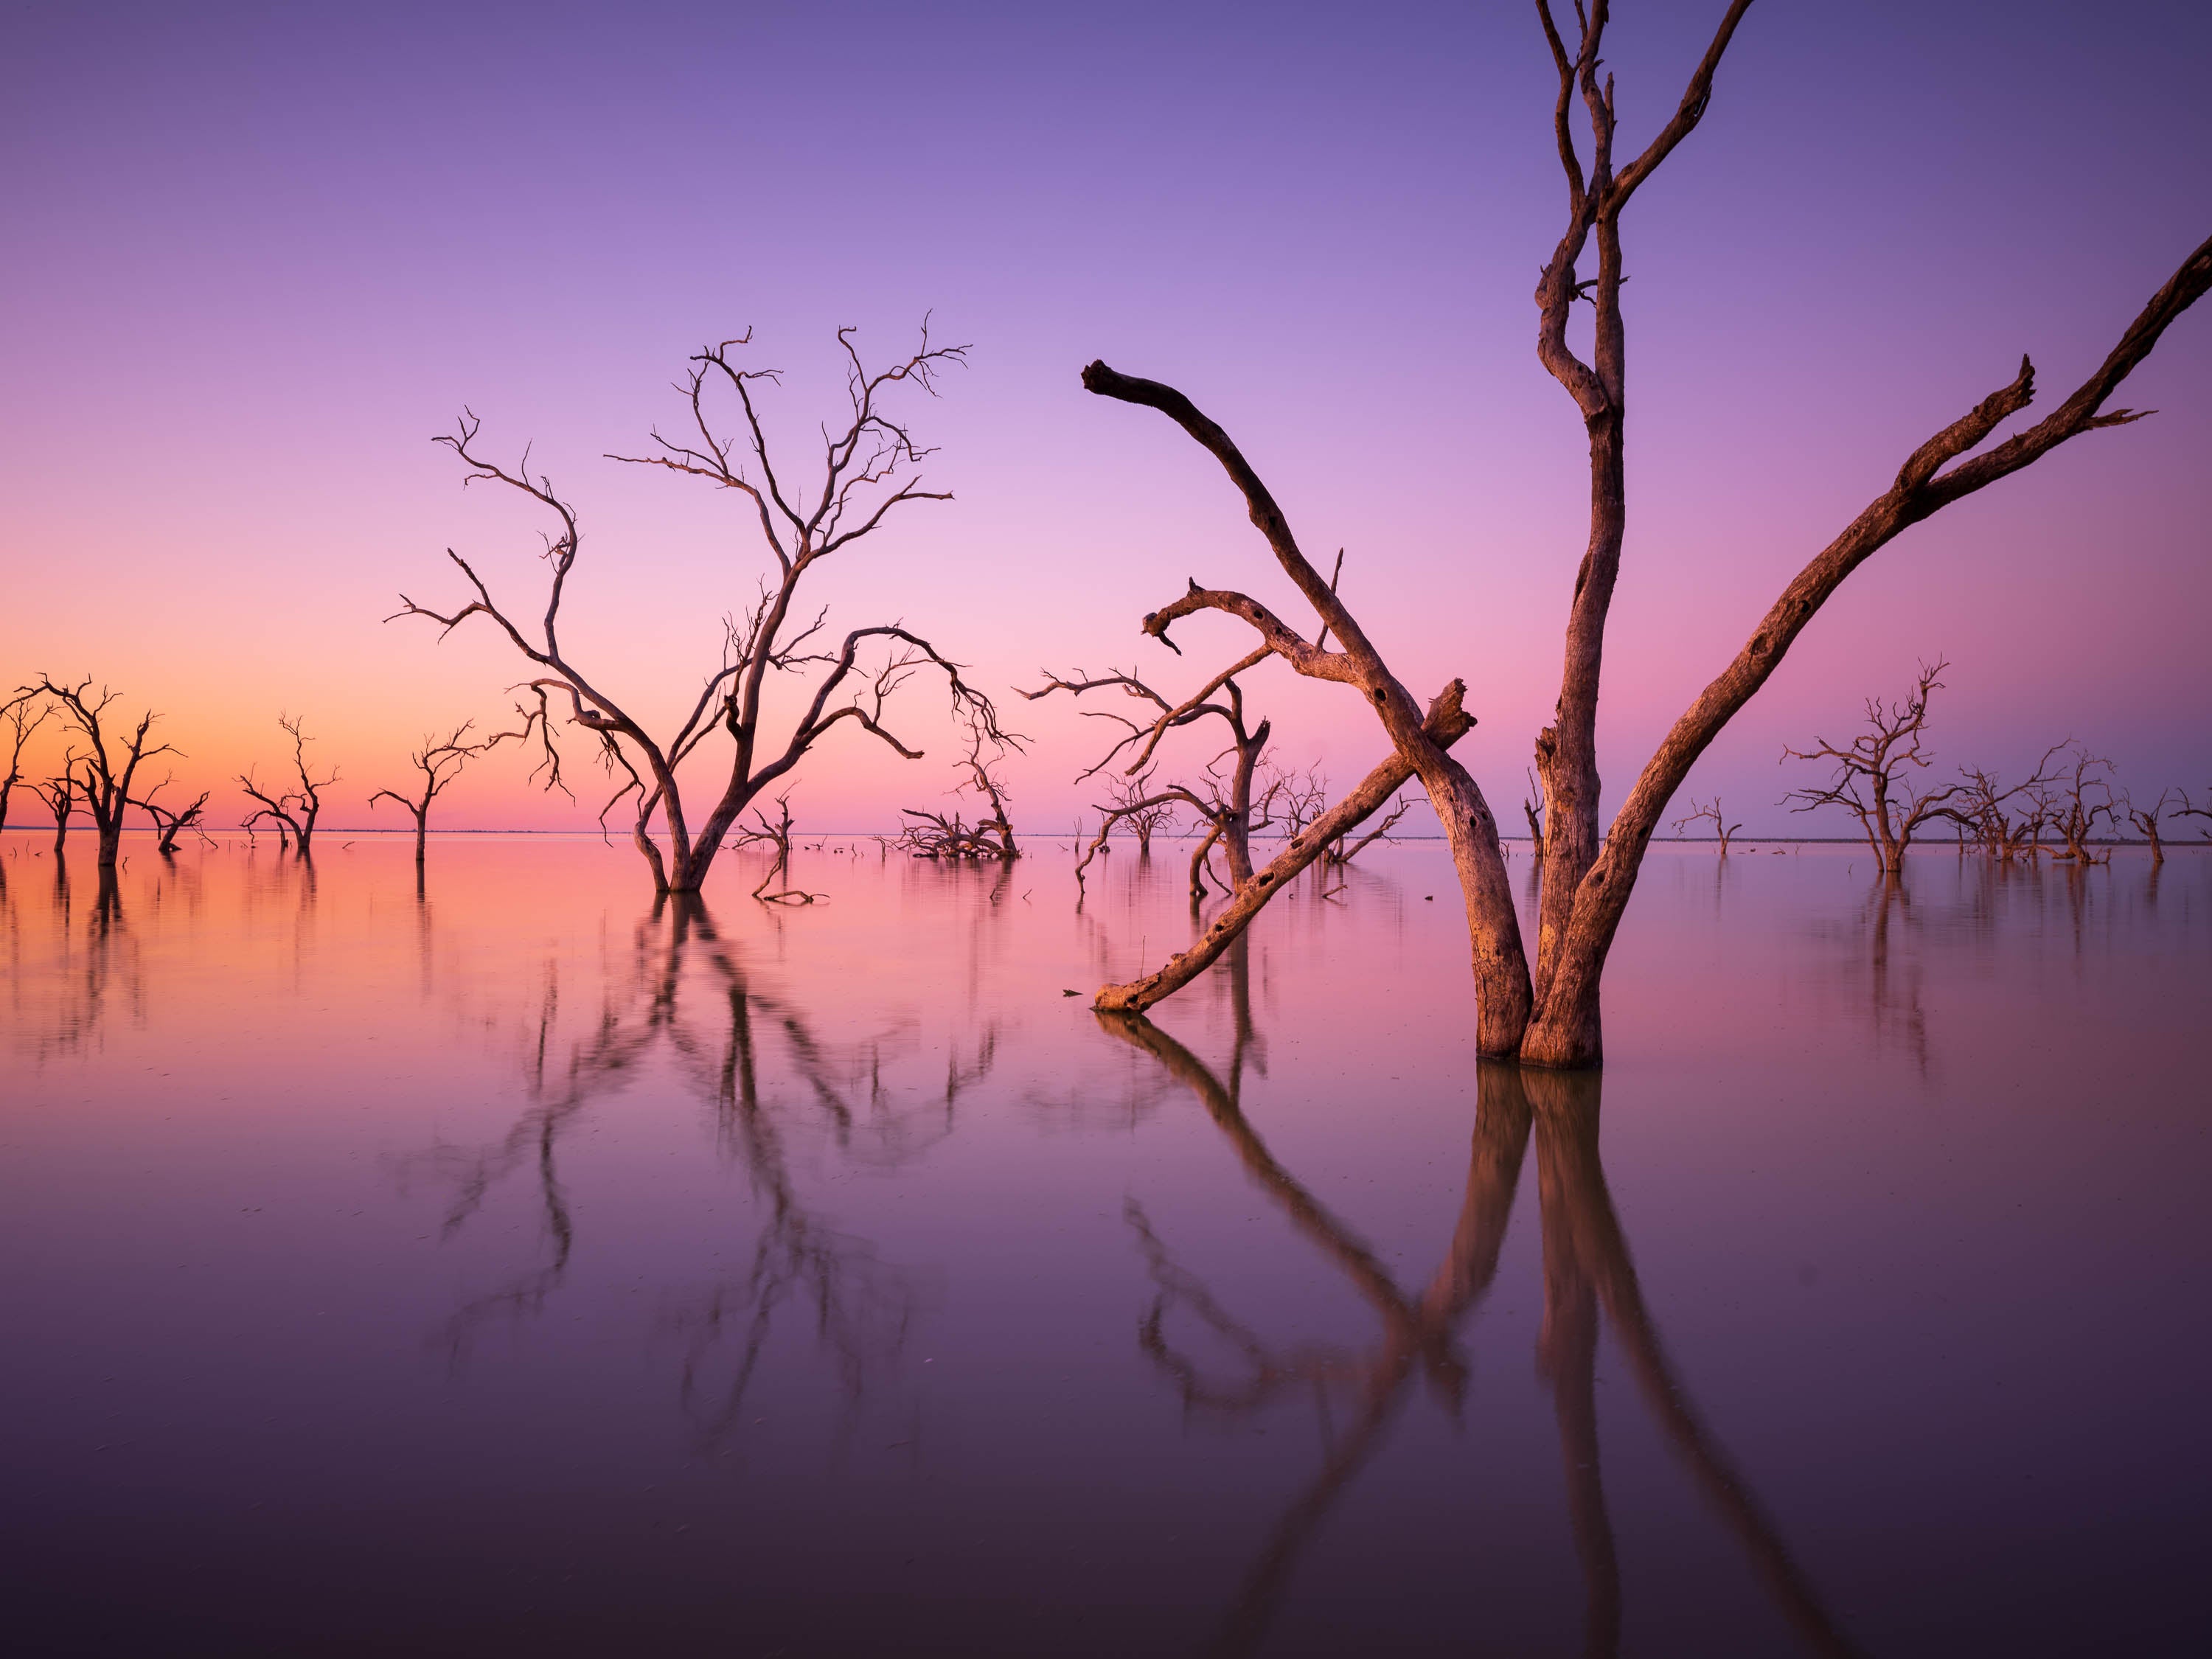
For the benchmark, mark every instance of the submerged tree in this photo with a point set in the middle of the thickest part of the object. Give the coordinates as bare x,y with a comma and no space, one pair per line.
24,714
440,761
109,761
1549,1014
2081,797
60,794
170,822
2148,820
1873,778
935,835
867,470
1223,802
292,809
1699,811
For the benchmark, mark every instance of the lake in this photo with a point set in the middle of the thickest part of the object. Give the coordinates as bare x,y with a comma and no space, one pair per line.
506,1264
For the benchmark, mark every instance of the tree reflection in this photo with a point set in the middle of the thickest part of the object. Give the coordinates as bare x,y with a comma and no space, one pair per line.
686,1000
1588,1274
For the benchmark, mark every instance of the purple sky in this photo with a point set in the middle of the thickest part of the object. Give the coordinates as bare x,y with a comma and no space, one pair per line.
256,255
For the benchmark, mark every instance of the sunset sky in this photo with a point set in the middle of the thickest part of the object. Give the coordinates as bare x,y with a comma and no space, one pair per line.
258,255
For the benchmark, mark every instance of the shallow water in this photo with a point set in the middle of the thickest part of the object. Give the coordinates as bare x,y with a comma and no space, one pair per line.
504,1267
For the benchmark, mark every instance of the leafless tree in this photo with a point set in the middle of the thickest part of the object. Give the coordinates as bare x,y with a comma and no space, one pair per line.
1290,800
2148,821
1873,778
1223,802
173,821
1987,806
1701,811
60,795
293,810
1338,854
2081,797
440,761
868,469
935,835
1550,1016
109,761
24,713
1136,803
2189,809
1532,808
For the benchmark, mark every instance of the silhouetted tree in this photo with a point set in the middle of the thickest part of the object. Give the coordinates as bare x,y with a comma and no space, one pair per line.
934,835
866,471
440,761
103,770
24,714
60,794
172,822
292,810
1699,811
1872,777
1551,1016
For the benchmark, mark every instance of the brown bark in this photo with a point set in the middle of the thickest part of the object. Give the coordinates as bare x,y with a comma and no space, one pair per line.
1501,971
1586,887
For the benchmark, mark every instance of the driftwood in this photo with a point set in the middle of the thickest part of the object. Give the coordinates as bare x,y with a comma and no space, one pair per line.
867,471
1550,1015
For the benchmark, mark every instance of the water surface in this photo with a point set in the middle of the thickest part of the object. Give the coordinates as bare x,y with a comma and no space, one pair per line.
507,1264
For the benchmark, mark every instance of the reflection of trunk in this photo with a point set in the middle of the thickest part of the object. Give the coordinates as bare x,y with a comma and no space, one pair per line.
1587,1271
1578,1206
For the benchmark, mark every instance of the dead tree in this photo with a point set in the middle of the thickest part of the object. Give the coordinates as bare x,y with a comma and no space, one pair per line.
1699,811
1135,802
1532,808
934,835
2147,823
1873,778
1550,1016
1290,800
292,810
868,469
24,713
172,822
102,772
2189,809
1985,806
440,761
2081,797
1338,854
1225,807
60,794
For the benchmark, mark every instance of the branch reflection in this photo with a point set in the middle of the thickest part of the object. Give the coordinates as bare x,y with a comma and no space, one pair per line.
1588,1272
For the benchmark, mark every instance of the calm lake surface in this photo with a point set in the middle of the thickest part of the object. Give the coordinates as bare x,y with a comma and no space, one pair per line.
509,1267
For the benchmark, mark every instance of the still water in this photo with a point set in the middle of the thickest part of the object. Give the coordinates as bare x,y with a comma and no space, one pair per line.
504,1266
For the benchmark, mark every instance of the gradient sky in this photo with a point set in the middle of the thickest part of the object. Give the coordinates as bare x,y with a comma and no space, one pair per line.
256,256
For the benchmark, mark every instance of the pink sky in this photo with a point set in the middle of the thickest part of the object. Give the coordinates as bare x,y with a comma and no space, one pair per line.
256,259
